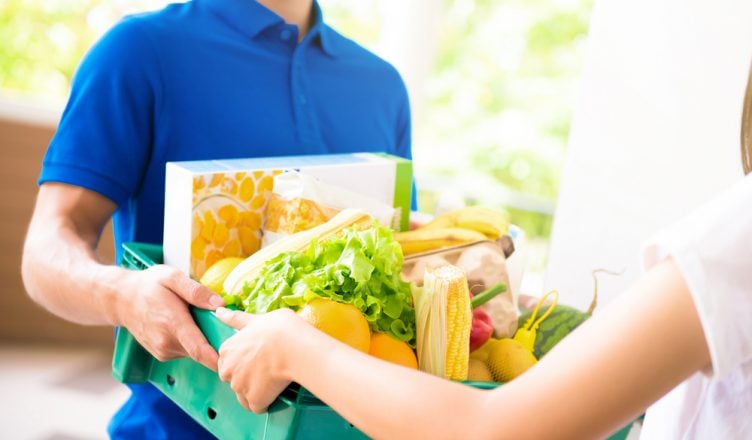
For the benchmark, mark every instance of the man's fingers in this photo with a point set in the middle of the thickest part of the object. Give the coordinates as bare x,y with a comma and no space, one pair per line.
192,292
233,318
243,402
195,344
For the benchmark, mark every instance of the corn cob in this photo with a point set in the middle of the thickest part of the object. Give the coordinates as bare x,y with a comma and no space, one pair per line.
444,319
251,266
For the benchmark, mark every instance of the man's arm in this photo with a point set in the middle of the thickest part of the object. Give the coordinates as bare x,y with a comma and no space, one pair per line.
62,273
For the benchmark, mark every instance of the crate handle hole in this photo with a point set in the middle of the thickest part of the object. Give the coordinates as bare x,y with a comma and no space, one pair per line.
170,380
211,413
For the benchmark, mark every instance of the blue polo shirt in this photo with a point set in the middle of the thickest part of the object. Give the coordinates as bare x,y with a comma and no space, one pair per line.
212,79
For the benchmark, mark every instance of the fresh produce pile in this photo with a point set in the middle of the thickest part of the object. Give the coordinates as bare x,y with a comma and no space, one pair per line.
345,277
461,226
541,328
553,329
357,267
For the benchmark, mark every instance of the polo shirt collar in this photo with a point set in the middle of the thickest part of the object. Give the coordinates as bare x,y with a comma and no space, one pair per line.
251,18
323,32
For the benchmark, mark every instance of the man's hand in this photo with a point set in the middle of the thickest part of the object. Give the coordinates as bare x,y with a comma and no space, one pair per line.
62,272
154,308
255,360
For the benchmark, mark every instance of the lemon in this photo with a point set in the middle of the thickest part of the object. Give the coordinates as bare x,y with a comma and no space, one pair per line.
481,353
340,321
507,359
478,371
215,275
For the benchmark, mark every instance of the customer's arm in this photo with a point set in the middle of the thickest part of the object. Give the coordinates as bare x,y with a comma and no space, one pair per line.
61,272
599,378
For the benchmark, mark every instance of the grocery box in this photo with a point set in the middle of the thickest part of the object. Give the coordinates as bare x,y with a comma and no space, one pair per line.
296,414
216,208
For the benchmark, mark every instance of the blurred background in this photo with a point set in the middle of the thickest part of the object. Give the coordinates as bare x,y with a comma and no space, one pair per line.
487,78
494,84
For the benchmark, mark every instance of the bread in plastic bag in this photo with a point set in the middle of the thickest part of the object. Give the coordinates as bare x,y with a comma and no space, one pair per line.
300,202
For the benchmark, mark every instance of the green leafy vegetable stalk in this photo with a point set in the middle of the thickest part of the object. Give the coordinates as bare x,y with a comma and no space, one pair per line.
361,268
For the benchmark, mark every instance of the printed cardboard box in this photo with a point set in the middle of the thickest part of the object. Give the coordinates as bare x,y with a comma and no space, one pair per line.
216,209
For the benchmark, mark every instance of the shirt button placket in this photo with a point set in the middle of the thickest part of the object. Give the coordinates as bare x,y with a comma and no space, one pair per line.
303,114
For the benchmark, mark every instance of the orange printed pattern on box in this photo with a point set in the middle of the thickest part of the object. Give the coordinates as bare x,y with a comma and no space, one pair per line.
227,215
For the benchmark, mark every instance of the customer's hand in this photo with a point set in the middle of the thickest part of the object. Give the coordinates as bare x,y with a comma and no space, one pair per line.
154,308
255,361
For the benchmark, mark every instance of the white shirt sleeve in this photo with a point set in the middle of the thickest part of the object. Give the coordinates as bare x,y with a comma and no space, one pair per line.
713,250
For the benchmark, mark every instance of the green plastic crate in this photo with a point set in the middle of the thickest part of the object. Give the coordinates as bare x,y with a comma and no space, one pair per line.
296,414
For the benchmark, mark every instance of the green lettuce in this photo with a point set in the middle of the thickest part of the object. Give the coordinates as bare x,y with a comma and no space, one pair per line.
361,268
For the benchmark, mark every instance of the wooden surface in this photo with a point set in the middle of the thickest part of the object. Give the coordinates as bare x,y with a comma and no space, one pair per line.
23,146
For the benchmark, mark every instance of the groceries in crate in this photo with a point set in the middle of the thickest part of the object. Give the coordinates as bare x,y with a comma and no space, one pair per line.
343,322
484,264
301,201
217,208
386,347
507,358
347,324
443,321
347,272
250,268
477,371
526,334
490,222
465,225
349,259
563,320
217,273
424,240
482,328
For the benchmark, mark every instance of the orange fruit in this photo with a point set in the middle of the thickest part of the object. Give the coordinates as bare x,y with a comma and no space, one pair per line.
343,322
384,346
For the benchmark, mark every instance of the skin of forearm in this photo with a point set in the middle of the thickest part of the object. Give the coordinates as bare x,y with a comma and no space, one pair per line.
62,273
598,379
60,268
616,364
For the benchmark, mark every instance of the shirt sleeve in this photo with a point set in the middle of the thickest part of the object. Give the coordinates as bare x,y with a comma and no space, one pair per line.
713,250
104,138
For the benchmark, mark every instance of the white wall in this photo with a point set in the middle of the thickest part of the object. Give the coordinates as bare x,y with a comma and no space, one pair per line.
656,132
408,40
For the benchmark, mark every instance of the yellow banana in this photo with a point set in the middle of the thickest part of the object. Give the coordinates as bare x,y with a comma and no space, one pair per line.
424,240
493,224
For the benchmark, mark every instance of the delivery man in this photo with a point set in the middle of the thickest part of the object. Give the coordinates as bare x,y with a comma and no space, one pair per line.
205,79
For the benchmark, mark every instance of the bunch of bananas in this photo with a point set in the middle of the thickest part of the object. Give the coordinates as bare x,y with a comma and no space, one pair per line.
453,228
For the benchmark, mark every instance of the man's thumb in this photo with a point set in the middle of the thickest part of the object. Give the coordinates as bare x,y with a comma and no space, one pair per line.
233,318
